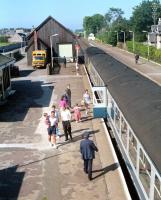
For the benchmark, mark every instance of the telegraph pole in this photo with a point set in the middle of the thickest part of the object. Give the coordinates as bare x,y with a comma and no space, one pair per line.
154,9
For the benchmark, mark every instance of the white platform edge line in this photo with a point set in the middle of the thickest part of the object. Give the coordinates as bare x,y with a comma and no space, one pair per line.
116,161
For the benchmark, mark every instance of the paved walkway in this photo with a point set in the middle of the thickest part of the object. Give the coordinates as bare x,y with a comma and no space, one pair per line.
32,170
146,68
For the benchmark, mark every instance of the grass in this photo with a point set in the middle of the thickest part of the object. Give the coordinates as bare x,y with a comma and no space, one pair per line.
45,198
4,43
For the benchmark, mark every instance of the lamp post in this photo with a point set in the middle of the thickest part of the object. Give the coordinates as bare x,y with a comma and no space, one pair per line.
117,35
154,11
107,36
52,47
148,42
133,39
124,37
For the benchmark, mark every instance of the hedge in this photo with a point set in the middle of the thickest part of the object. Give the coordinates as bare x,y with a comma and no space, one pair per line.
142,50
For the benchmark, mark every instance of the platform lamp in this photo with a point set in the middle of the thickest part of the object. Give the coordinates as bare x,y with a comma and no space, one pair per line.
117,35
148,43
51,36
133,40
124,37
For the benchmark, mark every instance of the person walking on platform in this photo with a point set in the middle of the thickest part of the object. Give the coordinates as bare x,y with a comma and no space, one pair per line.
52,123
58,133
66,118
77,113
65,61
87,149
56,112
87,100
68,91
77,68
62,103
136,58
66,97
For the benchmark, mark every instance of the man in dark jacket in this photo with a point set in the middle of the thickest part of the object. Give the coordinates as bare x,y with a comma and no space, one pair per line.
68,91
136,58
87,149
65,61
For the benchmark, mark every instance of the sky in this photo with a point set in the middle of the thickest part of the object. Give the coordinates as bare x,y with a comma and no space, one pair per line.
70,13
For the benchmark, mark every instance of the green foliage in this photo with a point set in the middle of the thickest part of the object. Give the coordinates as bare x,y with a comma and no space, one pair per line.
3,39
108,38
116,23
113,14
155,54
142,50
142,16
94,23
87,24
4,44
45,198
139,48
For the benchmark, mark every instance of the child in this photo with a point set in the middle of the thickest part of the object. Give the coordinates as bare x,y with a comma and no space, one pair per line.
77,113
47,122
62,103
87,100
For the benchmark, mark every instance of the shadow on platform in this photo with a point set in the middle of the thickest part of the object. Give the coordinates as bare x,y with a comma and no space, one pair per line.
10,183
105,170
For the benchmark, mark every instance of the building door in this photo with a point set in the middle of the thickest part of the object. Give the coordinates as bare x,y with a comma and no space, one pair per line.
99,102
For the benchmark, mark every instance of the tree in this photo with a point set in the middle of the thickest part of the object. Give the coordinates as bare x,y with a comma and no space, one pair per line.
142,17
99,23
94,23
121,24
3,39
87,24
113,15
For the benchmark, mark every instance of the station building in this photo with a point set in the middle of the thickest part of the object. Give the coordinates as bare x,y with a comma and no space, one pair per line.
5,77
154,37
51,34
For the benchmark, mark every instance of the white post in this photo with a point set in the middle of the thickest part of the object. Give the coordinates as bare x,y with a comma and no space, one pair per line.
51,51
133,39
133,43
148,49
124,37
51,45
117,35
148,43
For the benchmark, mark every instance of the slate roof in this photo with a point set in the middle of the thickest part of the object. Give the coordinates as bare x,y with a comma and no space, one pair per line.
5,59
44,22
138,98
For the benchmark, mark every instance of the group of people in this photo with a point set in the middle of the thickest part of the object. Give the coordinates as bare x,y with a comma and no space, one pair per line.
64,113
87,147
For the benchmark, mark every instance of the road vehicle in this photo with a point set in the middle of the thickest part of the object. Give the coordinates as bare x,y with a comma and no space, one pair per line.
38,58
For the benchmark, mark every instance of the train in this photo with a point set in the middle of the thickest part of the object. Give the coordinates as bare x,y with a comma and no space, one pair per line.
133,111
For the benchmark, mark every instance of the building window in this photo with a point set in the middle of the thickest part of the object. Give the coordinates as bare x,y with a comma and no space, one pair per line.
157,189
144,171
6,78
1,92
132,148
124,132
112,109
117,119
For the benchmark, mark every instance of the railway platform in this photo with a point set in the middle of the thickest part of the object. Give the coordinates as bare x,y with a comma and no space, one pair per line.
33,170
